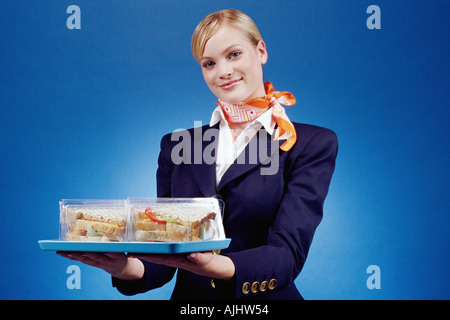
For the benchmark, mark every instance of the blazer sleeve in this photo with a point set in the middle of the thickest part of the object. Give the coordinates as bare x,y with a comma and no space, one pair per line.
307,179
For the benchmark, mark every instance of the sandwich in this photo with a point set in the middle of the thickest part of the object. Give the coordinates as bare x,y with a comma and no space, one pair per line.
95,224
171,223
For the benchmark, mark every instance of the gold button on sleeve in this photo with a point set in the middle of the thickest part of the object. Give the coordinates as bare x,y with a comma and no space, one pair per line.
246,288
255,287
272,284
263,286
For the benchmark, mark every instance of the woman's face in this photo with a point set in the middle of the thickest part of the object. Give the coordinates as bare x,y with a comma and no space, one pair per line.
232,65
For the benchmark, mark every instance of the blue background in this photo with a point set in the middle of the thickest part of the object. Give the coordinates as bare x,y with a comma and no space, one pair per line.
83,111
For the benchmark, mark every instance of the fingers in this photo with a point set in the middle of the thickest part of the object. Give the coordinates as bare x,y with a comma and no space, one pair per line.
189,262
70,255
202,263
168,260
110,261
96,259
83,257
200,258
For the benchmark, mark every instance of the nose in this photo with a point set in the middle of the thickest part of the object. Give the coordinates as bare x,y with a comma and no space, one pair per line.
225,70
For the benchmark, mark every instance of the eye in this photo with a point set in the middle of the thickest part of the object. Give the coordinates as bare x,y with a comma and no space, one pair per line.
234,54
208,64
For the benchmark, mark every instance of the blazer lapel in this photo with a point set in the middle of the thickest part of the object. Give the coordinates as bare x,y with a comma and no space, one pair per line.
257,152
203,155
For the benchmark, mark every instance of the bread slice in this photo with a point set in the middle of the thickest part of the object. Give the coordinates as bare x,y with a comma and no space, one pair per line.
172,223
75,237
163,236
95,224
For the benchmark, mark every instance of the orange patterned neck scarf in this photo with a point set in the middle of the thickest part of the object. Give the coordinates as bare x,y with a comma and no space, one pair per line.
251,109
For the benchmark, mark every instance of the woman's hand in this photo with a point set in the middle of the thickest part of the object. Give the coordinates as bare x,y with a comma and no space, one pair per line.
130,267
115,263
202,263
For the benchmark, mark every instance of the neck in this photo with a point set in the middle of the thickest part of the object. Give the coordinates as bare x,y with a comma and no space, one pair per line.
260,93
237,128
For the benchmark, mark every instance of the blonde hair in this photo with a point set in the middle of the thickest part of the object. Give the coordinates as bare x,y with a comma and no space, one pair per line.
211,23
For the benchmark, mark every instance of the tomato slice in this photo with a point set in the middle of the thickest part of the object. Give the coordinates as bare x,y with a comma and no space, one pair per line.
151,215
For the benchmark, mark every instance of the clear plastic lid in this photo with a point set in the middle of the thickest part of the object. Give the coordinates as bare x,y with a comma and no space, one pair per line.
175,219
93,220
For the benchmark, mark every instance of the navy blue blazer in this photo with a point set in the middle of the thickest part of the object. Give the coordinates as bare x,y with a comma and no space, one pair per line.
270,215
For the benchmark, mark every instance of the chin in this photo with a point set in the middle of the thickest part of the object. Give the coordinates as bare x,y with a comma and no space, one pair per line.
231,101
235,98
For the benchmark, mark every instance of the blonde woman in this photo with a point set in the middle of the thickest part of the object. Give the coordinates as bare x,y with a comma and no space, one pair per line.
273,175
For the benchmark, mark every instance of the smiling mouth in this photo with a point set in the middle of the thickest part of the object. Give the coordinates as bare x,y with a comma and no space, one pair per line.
230,84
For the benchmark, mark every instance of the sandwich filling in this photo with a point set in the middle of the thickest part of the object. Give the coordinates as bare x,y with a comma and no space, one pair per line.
174,224
95,224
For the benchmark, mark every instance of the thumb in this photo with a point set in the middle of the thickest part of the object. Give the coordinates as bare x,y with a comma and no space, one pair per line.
200,258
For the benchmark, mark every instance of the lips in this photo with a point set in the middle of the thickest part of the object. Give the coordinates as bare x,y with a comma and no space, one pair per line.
230,84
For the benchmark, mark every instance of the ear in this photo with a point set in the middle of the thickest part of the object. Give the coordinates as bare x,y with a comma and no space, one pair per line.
262,51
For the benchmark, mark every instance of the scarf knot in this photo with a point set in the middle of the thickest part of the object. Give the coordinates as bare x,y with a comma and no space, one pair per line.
251,109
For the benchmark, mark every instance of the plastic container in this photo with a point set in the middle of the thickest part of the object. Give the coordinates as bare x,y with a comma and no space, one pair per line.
93,220
175,219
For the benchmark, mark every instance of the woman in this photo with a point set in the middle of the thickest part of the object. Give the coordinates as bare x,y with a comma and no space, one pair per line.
273,175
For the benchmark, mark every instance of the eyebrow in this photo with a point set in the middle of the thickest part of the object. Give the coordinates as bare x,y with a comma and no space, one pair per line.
223,52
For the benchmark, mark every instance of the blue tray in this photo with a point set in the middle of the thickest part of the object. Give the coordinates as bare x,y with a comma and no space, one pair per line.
136,247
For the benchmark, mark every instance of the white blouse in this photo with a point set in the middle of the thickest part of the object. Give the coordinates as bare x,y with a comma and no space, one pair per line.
227,150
